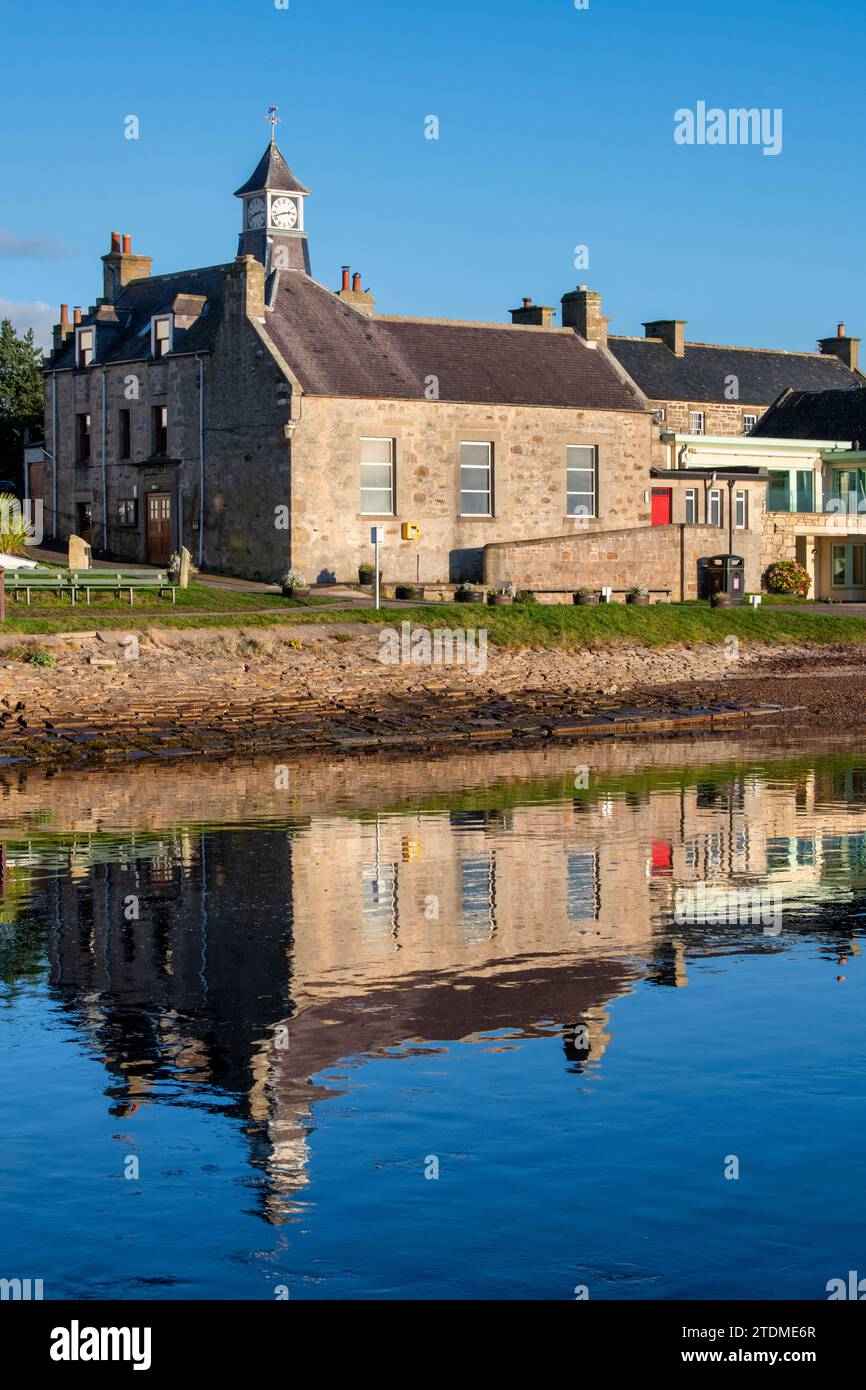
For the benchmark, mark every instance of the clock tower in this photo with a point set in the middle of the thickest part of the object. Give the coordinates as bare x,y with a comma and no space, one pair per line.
273,202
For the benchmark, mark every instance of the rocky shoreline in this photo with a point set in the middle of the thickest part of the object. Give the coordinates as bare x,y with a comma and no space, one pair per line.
164,693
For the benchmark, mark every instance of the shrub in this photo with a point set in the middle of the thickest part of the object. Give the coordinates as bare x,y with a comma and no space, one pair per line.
525,596
41,658
293,579
785,576
14,531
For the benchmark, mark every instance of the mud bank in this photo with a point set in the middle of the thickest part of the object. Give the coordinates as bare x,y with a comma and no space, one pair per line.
159,693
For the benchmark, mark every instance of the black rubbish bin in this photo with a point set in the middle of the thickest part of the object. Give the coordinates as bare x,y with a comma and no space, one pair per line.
722,576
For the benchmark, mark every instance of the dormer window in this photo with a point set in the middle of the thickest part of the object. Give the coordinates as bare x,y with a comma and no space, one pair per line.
161,336
84,338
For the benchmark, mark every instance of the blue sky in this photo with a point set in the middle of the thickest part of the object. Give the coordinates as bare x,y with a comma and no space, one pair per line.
556,130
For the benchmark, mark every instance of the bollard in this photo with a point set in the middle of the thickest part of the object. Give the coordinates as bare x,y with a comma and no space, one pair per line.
2,595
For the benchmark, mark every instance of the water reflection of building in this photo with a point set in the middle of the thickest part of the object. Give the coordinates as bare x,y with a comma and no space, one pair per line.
365,931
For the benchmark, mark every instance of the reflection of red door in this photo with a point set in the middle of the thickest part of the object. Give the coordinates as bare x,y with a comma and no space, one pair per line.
662,857
662,506
158,527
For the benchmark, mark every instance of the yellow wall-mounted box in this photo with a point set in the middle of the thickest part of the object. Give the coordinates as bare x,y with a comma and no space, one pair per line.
410,531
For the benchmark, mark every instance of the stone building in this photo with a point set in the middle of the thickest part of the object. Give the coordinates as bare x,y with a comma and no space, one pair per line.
262,420
707,389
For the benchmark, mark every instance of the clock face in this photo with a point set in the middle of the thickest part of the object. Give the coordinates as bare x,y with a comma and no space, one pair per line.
284,212
256,212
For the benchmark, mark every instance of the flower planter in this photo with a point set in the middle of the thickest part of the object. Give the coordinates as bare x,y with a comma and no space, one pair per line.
470,596
368,578
721,601
499,600
642,600
409,591
293,591
585,600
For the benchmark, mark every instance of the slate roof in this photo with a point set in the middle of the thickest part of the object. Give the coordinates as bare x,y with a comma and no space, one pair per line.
123,329
816,415
335,350
272,171
700,374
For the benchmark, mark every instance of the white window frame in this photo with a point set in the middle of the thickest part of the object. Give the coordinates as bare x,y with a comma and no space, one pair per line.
474,491
697,415
161,318
715,508
88,329
377,439
691,496
741,509
747,426
570,491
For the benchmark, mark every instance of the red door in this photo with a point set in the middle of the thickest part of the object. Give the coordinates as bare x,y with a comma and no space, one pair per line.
662,506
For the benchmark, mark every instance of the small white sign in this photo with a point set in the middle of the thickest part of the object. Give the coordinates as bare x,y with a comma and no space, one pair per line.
377,535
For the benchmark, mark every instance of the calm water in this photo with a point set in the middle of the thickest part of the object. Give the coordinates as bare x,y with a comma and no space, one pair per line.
451,1030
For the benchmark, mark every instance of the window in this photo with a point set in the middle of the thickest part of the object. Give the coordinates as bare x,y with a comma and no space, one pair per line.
124,434
160,336
377,477
714,507
83,347
160,430
583,891
696,422
805,490
476,479
691,506
127,512
740,511
849,488
477,897
581,480
779,490
82,438
749,423
848,566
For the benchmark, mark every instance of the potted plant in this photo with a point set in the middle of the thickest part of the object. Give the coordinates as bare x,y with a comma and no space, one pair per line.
525,596
367,573
498,598
465,593
294,585
789,579
585,597
413,592
638,595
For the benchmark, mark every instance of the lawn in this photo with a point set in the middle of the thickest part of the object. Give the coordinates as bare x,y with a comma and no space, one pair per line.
518,626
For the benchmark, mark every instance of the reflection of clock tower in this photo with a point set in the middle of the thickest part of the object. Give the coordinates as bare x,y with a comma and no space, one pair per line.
273,229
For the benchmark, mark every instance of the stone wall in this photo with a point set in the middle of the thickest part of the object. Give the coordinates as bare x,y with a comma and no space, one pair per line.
330,536
654,557
719,419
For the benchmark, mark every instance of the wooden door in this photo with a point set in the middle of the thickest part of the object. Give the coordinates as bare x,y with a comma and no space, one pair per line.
85,521
662,506
158,527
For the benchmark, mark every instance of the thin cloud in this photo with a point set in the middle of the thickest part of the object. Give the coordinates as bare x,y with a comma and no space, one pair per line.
36,315
31,248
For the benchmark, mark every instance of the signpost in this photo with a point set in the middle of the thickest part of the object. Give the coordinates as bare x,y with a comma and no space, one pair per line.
2,595
377,536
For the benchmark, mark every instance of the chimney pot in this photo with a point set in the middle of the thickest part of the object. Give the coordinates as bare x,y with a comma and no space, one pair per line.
76,314
64,313
127,245
527,303
840,331
356,283
345,279
115,241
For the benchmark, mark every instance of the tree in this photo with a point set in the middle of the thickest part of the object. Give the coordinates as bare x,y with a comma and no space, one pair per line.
21,395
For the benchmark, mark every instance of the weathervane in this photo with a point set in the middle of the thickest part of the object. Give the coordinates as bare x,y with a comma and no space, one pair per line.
274,120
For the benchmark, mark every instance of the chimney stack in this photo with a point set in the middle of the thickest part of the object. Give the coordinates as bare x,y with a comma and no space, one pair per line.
354,295
845,348
581,310
540,315
64,316
120,266
672,333
61,330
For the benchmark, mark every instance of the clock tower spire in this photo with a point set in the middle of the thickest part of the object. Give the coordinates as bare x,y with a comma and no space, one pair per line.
273,201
